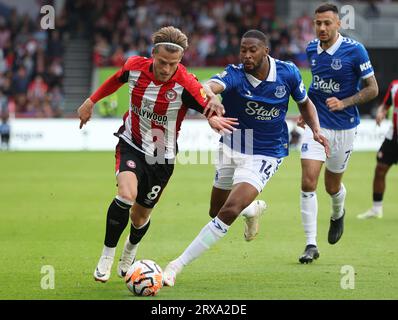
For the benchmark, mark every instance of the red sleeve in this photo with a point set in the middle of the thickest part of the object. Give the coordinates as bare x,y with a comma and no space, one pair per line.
114,82
387,101
198,100
107,88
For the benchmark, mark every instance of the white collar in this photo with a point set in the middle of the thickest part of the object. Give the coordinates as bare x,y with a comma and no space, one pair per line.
333,48
272,70
271,74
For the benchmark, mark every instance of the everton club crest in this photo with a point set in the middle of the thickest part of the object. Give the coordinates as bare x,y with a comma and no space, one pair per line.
280,91
336,64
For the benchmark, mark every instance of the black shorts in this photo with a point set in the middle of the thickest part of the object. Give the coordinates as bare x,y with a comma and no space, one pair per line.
152,178
388,152
5,137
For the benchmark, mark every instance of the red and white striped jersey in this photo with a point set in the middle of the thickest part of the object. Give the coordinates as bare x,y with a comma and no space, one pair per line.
156,109
391,99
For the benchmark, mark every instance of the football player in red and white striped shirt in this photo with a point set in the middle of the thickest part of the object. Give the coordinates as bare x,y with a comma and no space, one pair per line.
387,154
161,91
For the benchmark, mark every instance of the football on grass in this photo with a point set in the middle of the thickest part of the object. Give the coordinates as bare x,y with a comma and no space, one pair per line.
144,278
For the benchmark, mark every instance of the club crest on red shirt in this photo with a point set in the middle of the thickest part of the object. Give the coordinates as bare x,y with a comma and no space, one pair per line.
170,95
130,164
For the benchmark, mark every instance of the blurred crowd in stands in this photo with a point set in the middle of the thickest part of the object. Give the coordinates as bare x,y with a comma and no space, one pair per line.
214,28
31,59
31,69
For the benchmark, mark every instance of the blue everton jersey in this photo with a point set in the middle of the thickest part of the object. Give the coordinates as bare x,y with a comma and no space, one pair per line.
336,72
260,107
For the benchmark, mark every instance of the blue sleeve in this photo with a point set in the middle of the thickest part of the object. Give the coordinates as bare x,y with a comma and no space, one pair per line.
297,89
307,52
363,66
227,78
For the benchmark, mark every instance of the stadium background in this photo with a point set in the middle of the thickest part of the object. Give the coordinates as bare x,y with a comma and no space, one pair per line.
46,74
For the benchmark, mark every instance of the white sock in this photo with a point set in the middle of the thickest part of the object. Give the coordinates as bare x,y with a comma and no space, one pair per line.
249,211
208,236
309,213
338,203
107,251
377,206
131,247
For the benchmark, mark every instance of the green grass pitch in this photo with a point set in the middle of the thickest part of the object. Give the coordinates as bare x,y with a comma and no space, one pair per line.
53,208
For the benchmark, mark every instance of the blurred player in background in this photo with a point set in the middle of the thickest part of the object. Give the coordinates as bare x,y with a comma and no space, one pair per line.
5,132
337,66
388,152
161,91
256,92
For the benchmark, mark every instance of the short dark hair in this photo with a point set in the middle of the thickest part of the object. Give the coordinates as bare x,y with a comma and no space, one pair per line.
327,7
257,34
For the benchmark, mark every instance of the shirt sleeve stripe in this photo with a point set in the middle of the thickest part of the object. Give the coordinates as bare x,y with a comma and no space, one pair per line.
219,82
368,75
302,100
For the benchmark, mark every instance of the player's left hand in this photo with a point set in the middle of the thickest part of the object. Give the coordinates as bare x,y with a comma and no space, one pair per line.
334,104
300,122
214,106
223,125
323,141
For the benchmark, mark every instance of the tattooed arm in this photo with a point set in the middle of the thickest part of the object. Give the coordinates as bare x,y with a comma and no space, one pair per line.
369,92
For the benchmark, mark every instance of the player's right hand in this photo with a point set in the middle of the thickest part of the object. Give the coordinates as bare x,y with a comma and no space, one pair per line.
223,125
323,141
85,112
214,107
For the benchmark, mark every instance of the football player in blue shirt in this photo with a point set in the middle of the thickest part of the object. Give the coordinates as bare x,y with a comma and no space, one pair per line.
256,92
338,64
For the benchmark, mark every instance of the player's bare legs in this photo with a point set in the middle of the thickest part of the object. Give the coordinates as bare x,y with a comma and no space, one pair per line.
140,221
310,170
379,187
140,215
217,200
332,182
127,185
241,196
251,213
379,180
337,192
116,221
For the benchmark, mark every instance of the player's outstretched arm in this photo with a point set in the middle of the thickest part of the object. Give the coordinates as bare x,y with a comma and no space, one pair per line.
369,91
216,121
223,125
310,117
85,111
214,105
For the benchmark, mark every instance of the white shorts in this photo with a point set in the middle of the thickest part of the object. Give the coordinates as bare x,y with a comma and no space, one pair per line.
341,143
233,167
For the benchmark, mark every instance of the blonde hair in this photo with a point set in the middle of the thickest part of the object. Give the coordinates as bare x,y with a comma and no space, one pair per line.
170,35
